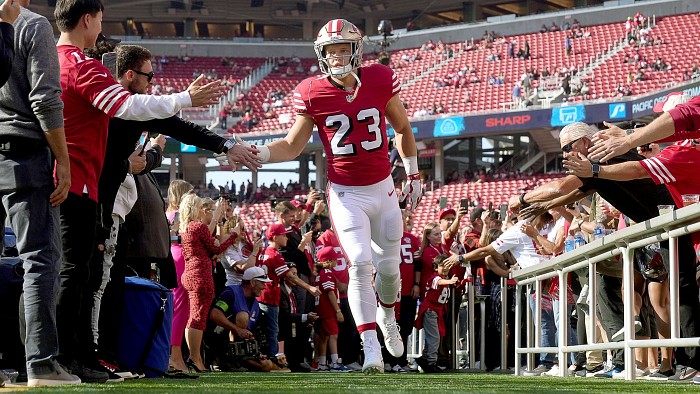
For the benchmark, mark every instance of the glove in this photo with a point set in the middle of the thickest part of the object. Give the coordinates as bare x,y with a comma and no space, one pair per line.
412,192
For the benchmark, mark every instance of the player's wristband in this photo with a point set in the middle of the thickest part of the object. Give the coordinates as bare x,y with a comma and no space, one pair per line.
263,154
410,164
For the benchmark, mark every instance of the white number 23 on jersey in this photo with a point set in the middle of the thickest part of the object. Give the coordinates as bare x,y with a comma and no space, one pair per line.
344,126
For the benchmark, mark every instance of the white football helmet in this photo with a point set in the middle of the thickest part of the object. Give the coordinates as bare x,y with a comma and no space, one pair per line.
339,31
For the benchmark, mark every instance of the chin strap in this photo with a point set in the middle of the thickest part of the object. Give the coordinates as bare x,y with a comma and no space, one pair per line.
357,87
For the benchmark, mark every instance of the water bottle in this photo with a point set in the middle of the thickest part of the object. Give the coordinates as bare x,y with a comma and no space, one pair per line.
569,243
477,282
578,239
599,231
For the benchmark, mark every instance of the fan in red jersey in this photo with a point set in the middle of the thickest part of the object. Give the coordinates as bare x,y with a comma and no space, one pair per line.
350,105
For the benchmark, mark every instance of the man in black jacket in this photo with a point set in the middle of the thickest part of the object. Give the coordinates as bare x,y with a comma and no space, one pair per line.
134,73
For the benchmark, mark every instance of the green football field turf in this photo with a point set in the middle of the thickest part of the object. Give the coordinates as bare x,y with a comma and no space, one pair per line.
331,383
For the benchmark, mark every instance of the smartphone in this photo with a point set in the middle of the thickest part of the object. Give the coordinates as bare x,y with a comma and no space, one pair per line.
504,211
464,203
490,206
143,141
443,202
109,60
645,148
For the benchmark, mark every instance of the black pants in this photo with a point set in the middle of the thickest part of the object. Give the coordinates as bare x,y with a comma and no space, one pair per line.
78,220
348,338
689,309
611,311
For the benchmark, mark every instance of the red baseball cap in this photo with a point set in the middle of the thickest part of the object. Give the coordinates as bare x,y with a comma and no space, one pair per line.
275,230
298,204
670,101
327,253
446,211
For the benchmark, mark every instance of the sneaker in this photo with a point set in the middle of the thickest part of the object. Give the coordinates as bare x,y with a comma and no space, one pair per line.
427,366
58,377
390,329
387,367
639,373
574,368
537,371
662,375
607,373
554,371
589,373
620,335
683,374
373,357
116,370
339,367
355,367
398,369
87,374
321,368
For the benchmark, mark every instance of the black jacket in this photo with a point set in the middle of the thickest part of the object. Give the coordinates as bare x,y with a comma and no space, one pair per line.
121,141
286,317
7,34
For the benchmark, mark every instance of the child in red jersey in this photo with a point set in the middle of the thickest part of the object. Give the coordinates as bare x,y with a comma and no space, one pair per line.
328,310
437,292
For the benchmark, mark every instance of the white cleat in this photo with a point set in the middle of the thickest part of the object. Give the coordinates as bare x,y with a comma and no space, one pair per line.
390,329
373,357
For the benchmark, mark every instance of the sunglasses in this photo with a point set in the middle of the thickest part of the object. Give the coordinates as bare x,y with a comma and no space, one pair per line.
567,148
149,76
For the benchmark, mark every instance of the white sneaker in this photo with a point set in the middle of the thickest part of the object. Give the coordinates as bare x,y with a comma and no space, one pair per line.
58,377
390,329
640,373
554,371
373,357
356,367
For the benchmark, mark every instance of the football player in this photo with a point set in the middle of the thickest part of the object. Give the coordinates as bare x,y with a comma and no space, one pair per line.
350,105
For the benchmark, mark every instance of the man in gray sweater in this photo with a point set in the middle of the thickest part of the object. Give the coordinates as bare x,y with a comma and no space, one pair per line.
31,138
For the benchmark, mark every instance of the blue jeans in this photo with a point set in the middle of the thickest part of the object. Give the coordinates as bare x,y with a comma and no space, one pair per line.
26,181
571,333
270,315
549,332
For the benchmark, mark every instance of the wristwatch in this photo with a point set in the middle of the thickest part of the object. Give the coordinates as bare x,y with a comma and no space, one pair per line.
228,145
522,200
629,131
596,169
460,258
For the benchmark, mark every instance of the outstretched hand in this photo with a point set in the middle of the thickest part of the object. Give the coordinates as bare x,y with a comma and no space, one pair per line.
609,143
203,95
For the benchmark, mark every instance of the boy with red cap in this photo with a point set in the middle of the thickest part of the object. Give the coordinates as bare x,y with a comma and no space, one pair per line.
276,267
328,310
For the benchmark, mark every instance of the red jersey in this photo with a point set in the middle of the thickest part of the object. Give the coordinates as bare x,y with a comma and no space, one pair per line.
274,265
436,295
325,281
429,254
675,168
90,96
328,238
410,246
353,133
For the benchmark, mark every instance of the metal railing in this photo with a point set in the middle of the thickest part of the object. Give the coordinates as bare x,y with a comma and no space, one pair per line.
669,227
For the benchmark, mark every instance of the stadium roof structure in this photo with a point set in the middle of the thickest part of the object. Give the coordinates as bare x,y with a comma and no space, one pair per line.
295,12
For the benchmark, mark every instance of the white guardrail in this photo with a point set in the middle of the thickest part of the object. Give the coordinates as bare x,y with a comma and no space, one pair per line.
669,227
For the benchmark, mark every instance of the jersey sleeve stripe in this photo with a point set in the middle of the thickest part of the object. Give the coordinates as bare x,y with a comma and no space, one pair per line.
660,170
109,97
434,283
104,92
115,100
